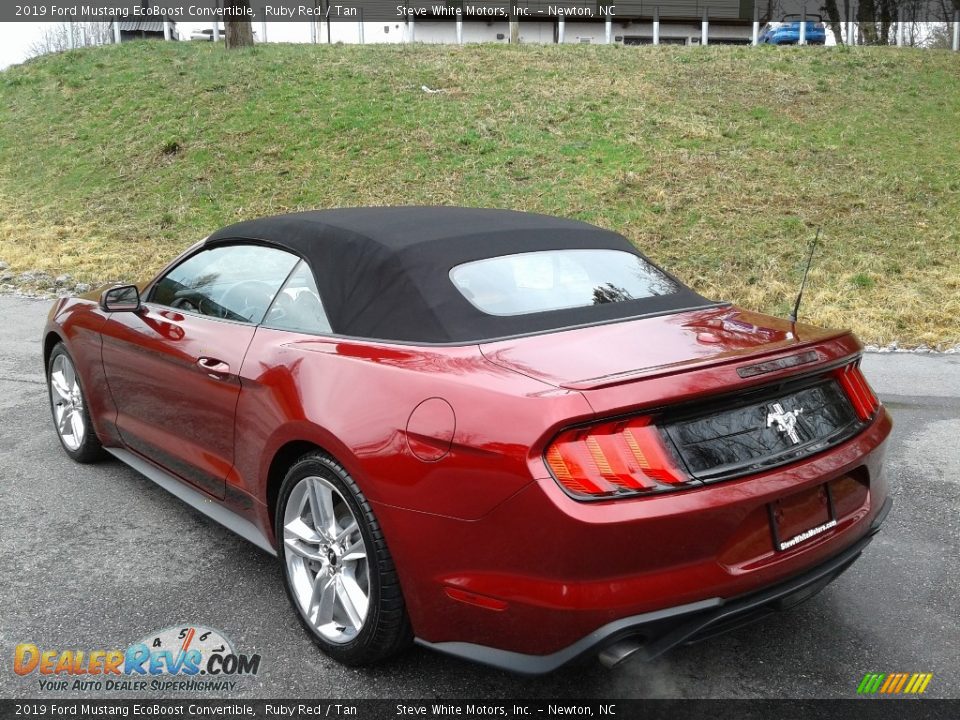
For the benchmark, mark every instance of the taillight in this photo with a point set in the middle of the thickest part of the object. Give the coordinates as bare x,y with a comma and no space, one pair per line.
623,457
864,402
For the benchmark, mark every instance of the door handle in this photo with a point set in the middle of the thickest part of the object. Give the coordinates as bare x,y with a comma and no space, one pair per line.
217,369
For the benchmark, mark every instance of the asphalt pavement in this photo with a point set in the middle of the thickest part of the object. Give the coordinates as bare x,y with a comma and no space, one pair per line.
97,557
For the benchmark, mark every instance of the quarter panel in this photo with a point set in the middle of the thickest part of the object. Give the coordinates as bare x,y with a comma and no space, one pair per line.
354,399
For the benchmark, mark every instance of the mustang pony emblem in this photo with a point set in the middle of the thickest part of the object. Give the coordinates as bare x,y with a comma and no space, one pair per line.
786,421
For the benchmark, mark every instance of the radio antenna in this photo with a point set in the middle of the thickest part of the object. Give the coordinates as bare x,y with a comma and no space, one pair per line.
803,283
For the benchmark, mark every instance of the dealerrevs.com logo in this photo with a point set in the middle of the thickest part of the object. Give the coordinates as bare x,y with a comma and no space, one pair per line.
187,658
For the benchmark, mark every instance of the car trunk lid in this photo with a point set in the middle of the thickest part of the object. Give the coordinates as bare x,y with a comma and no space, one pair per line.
602,356
703,395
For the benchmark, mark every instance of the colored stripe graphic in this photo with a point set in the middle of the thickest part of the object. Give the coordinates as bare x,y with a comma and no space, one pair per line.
866,684
894,683
871,683
889,683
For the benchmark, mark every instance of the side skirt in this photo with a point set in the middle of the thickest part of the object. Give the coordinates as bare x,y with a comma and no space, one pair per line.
195,499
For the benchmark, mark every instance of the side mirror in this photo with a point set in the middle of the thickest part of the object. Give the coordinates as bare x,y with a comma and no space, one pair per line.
125,298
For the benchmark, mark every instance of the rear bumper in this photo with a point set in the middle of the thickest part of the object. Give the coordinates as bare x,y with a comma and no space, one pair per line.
651,634
542,572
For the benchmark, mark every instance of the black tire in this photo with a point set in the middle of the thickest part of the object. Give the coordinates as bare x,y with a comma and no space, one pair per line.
386,629
89,448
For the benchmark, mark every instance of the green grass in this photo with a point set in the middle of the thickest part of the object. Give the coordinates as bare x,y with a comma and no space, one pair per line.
718,162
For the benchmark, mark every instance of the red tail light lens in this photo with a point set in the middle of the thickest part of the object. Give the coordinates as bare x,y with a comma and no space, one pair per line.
864,402
625,457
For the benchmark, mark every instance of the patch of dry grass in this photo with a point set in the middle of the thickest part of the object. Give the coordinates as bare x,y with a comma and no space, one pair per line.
720,163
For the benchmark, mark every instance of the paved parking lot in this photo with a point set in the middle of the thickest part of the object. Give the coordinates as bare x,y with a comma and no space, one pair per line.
98,556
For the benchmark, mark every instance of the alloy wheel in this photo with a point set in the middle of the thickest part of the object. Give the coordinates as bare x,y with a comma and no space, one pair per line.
326,559
67,400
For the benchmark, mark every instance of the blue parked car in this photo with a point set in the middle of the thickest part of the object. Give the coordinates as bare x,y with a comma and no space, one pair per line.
787,32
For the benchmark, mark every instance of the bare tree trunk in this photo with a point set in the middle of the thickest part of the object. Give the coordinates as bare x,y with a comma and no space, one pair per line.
887,14
239,33
876,18
326,15
866,17
833,19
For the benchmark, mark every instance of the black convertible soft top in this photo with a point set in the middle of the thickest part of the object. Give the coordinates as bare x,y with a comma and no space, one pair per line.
384,272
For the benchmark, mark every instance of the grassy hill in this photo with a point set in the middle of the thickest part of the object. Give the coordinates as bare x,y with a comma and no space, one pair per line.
718,162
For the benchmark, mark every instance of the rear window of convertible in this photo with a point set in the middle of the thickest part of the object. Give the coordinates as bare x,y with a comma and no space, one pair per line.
558,279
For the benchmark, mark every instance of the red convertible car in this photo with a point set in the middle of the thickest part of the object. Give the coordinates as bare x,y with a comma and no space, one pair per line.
505,436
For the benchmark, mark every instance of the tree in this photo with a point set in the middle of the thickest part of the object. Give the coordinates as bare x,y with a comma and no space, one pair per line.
940,36
876,18
56,37
239,32
833,18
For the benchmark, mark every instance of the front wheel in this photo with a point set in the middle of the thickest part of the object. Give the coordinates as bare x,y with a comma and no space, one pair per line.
338,571
69,408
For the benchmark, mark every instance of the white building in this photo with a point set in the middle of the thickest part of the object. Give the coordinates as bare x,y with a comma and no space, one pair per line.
635,31
632,22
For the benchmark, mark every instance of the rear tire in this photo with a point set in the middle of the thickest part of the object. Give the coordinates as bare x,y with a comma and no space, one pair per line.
336,567
68,405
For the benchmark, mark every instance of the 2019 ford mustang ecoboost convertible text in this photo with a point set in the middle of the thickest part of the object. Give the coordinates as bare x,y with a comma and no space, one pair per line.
507,436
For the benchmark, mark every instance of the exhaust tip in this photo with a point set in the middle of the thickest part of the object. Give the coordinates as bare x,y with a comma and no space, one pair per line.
616,653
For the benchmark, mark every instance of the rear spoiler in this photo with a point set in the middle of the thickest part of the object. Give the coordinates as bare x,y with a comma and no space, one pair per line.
779,356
